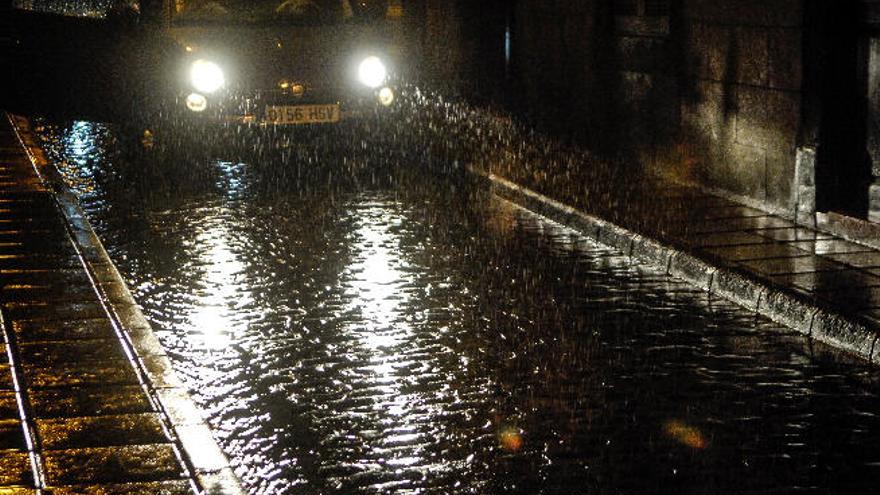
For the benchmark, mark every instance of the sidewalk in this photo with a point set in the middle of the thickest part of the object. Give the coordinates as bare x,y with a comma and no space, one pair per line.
820,284
88,402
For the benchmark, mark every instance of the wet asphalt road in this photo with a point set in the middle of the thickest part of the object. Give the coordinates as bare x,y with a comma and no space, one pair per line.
389,330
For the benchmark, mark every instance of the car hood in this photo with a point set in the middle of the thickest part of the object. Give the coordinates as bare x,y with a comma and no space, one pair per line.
258,58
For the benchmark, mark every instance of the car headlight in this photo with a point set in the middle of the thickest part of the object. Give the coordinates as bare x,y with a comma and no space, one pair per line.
372,72
196,102
206,76
386,96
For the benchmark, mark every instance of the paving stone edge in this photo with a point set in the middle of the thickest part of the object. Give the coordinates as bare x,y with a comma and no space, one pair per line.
855,337
208,464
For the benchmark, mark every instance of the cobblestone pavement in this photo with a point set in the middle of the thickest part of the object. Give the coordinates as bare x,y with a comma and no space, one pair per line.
415,333
75,415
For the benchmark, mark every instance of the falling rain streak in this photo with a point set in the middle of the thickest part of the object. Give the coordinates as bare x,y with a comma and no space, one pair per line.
354,314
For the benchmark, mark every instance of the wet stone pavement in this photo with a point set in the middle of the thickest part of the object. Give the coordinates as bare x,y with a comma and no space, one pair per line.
822,284
824,269
74,417
410,332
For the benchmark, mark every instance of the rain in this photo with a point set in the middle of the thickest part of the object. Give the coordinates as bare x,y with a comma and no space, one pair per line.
355,311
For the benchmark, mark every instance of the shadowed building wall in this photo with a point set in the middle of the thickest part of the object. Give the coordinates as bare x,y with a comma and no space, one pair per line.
725,93
741,94
705,90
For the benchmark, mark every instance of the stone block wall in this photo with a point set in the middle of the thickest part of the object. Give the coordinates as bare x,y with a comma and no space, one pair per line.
741,96
557,50
707,90
435,29
644,74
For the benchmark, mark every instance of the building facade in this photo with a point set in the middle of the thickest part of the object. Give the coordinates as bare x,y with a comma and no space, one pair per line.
774,102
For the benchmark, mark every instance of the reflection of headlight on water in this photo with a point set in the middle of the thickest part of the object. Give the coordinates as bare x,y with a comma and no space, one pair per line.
196,102
372,72
206,76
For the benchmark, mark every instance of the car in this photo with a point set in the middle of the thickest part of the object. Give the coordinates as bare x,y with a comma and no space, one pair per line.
286,62
259,62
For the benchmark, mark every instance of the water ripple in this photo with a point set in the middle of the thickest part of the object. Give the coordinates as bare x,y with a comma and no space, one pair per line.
425,337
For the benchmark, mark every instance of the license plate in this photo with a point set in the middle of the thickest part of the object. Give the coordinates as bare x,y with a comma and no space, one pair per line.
302,114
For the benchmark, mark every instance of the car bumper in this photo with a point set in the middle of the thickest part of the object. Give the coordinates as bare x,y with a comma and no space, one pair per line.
273,108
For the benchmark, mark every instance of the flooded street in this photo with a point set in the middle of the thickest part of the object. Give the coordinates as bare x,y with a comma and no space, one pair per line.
382,328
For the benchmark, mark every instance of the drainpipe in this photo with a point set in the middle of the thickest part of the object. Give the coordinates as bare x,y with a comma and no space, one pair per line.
803,189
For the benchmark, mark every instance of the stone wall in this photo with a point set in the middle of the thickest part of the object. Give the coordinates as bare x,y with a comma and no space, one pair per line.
706,90
646,64
440,39
559,66
741,95
872,116
550,58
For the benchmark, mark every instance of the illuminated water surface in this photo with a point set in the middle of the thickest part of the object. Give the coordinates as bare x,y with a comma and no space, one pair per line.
418,335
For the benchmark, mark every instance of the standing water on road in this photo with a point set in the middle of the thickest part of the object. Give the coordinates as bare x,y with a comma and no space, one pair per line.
402,332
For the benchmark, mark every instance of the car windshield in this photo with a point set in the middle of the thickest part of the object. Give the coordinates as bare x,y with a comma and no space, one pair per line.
276,11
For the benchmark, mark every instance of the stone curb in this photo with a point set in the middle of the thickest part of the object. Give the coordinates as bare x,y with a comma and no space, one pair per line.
790,309
190,433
